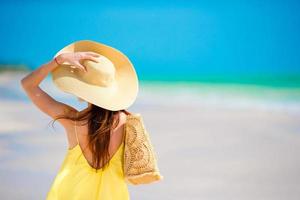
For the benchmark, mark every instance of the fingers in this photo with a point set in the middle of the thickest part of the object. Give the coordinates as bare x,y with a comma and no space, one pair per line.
78,55
91,53
91,58
82,67
88,55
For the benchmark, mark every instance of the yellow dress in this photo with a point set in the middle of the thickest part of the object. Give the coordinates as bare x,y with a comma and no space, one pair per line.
77,180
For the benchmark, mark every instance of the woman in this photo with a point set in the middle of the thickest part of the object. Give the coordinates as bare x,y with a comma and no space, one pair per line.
92,168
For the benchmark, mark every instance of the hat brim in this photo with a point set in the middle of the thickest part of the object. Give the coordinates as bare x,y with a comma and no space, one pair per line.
119,96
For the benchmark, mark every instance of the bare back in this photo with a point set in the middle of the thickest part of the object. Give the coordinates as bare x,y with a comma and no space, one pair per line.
82,134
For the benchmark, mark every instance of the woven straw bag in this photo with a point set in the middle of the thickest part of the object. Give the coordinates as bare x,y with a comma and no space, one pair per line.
140,163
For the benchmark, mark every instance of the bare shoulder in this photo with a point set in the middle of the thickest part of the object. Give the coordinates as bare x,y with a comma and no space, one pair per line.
122,120
68,123
126,114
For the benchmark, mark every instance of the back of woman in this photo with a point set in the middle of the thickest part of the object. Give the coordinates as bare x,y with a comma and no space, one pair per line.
79,179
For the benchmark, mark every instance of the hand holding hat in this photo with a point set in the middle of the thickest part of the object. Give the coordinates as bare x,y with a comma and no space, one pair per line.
73,59
110,81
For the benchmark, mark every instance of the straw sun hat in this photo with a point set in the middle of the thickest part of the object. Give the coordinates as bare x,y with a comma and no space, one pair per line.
110,83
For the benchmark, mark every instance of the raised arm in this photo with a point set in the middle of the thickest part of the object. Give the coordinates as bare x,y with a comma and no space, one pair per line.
39,97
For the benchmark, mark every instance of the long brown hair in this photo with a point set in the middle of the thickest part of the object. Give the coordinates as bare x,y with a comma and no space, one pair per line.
100,124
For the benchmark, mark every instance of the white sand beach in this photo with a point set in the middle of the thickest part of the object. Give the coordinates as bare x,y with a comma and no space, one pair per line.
212,142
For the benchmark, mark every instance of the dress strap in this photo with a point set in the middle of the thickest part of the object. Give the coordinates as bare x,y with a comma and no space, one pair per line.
76,131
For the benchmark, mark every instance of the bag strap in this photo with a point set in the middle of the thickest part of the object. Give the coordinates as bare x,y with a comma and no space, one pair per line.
76,131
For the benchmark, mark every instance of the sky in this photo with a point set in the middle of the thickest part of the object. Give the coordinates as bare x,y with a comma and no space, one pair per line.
170,38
